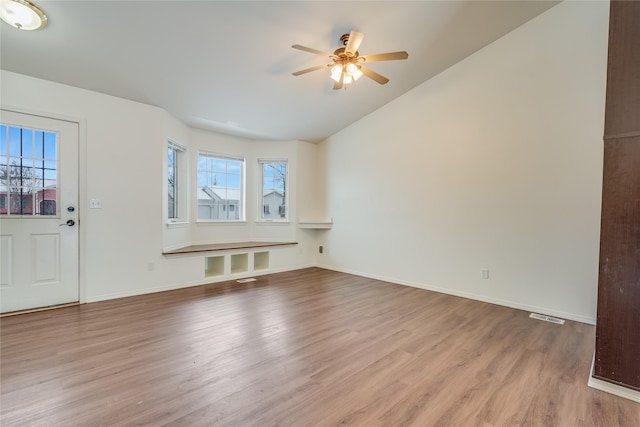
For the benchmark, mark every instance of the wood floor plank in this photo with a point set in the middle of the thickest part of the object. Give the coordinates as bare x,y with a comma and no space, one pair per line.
310,347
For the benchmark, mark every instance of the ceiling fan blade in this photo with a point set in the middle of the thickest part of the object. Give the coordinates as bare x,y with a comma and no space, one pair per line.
373,75
308,70
390,56
338,85
355,38
310,50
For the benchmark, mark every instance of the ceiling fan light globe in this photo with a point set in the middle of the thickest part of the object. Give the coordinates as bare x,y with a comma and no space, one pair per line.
347,79
356,74
336,70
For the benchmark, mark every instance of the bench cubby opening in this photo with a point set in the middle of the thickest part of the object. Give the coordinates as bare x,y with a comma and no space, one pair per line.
261,260
239,263
214,266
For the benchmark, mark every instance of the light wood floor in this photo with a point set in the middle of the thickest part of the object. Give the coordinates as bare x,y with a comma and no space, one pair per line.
305,348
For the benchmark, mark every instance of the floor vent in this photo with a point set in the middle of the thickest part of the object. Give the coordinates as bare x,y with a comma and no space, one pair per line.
547,318
250,279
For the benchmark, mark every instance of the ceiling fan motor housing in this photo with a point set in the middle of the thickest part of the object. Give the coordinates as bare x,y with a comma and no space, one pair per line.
344,39
342,55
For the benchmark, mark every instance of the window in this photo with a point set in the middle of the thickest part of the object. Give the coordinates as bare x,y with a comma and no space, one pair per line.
176,200
220,188
28,172
274,190
172,175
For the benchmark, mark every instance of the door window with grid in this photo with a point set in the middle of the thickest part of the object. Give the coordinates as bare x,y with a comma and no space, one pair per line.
28,172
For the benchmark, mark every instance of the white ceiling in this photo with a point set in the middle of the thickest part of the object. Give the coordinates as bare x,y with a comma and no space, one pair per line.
226,65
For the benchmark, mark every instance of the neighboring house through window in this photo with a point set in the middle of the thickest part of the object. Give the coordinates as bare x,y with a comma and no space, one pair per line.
220,187
274,187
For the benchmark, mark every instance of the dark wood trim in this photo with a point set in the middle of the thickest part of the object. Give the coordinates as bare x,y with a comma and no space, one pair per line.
622,135
617,358
617,349
622,114
216,247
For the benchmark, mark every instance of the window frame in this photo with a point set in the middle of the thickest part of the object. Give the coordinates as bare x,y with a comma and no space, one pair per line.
227,207
180,184
261,193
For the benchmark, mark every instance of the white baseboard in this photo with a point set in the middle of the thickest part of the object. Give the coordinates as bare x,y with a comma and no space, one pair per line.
205,281
607,387
143,291
505,303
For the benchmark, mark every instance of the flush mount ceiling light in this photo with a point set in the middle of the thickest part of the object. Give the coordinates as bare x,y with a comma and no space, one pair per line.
347,63
22,14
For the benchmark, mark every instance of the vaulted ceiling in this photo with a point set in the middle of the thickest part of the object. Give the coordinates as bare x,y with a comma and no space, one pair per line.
226,65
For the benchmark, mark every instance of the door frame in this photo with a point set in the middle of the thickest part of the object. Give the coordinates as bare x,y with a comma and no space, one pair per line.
83,203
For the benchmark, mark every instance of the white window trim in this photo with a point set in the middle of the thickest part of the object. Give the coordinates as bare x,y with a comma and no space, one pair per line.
243,189
177,224
181,185
260,219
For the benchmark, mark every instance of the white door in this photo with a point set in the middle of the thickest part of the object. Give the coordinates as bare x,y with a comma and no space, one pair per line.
38,211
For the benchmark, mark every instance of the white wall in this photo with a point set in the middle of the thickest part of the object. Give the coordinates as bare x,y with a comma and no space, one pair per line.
123,163
310,199
496,163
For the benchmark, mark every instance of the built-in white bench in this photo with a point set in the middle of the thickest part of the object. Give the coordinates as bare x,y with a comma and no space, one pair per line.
238,256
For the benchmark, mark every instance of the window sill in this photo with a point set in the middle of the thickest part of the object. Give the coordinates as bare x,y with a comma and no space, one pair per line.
178,224
273,222
214,222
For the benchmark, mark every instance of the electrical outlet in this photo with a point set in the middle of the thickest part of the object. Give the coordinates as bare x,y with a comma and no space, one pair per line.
484,273
151,266
95,204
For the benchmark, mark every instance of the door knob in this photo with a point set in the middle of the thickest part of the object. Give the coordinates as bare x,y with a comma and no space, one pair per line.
69,223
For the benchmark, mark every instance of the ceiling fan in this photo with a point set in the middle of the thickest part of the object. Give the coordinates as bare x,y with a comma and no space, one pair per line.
347,65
